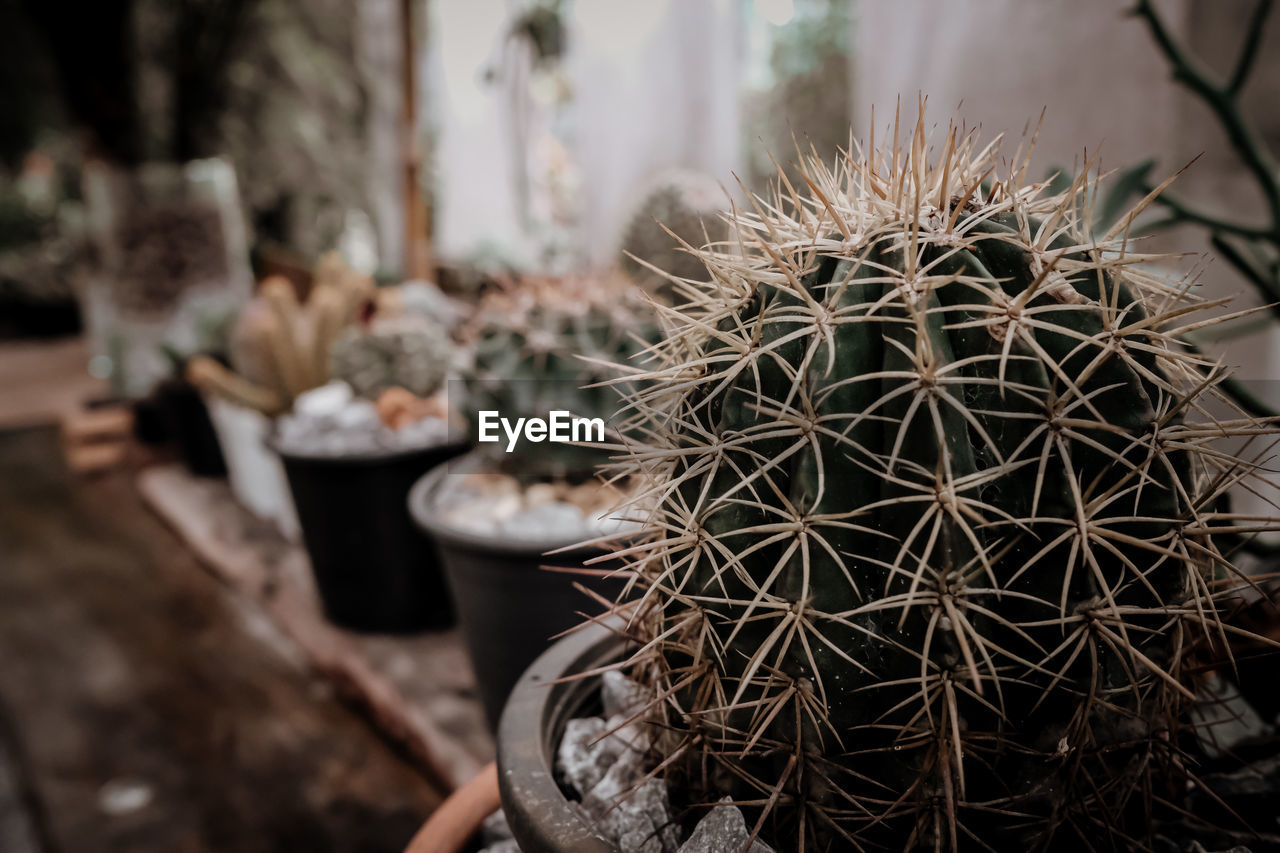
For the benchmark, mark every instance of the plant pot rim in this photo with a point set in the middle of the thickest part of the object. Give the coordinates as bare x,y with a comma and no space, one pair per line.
447,448
540,814
423,509
459,819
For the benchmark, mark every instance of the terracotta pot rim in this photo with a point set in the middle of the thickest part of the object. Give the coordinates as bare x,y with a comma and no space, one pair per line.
458,819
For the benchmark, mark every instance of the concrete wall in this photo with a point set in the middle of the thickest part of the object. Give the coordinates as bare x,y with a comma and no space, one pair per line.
998,63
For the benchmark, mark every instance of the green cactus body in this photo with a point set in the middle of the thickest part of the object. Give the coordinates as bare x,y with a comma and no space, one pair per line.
931,509
546,344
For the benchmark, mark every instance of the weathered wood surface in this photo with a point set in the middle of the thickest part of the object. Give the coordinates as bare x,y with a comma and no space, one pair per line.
155,708
420,689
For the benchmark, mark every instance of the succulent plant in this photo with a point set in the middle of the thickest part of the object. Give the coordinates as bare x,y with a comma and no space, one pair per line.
932,540
279,346
408,351
690,205
543,343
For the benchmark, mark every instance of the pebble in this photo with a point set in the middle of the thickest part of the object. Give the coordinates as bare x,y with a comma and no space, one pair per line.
635,816
723,830
330,422
557,520
356,415
507,845
605,763
124,796
324,401
621,696
582,759
497,505
495,828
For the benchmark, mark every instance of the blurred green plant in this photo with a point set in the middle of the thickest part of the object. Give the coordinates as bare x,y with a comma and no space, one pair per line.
800,90
545,343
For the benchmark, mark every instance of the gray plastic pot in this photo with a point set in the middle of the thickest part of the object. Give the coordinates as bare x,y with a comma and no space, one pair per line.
510,601
541,817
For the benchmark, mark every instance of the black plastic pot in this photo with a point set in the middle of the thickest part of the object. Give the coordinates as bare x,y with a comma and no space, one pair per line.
187,420
511,601
374,568
542,818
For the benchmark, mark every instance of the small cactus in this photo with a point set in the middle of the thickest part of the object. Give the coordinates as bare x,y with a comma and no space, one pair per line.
933,529
280,347
543,343
409,351
681,202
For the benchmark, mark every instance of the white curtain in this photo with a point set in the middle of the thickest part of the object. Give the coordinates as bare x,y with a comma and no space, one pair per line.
474,186
654,85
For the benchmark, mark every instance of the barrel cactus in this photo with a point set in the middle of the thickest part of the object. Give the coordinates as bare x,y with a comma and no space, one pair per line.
934,527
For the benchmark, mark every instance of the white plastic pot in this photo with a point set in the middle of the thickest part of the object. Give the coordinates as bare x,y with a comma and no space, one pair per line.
257,477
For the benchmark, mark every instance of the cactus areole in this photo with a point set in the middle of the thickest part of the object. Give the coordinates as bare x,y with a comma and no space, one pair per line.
935,523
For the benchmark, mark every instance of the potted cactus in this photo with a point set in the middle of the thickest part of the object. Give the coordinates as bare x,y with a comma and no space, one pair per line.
932,542
351,451
541,345
279,348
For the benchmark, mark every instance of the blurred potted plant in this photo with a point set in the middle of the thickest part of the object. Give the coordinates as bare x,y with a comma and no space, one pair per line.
42,252
930,552
279,348
679,208
351,451
541,344
179,405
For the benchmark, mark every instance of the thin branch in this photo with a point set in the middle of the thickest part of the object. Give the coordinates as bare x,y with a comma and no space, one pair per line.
1223,100
1253,37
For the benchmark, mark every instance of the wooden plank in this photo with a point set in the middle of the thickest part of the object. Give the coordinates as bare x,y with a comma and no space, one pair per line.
105,423
420,690
44,380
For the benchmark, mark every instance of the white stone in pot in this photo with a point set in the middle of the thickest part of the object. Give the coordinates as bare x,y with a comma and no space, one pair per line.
621,695
553,520
323,401
723,830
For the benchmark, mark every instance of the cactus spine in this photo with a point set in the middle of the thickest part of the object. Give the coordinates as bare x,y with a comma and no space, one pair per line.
933,534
